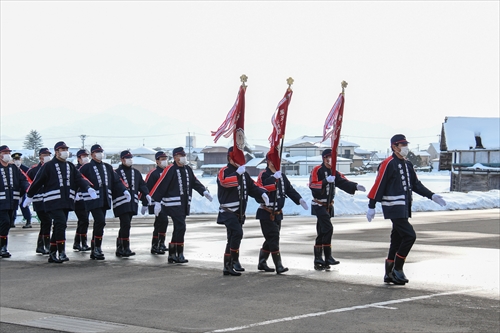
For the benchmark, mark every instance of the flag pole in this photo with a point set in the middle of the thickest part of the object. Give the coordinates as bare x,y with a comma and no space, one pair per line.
243,79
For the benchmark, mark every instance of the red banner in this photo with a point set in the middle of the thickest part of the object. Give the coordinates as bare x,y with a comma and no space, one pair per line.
333,125
279,124
235,125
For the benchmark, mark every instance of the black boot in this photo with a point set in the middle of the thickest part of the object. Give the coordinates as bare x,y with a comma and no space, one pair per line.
319,263
180,254
262,266
96,251
228,266
235,255
389,265
277,263
61,249
126,247
27,225
155,246
172,253
46,243
120,249
84,246
76,243
4,253
53,254
327,249
161,239
398,275
40,247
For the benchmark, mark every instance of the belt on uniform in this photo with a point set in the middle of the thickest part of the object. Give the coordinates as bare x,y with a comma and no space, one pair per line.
230,211
271,212
324,204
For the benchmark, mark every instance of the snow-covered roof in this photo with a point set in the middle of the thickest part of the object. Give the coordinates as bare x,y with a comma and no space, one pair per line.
421,153
138,160
316,141
436,146
256,161
143,151
459,132
212,166
313,159
361,151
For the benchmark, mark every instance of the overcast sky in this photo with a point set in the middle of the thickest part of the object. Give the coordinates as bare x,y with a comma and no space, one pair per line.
130,73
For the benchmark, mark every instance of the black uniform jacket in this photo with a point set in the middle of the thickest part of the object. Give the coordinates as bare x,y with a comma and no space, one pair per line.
79,202
174,188
38,205
284,188
151,179
323,192
233,191
104,181
395,181
12,184
58,181
132,180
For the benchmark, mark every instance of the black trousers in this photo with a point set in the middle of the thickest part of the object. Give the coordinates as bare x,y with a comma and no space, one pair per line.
45,223
25,210
179,228
99,215
125,224
324,229
83,221
403,237
160,224
234,231
271,231
60,220
5,221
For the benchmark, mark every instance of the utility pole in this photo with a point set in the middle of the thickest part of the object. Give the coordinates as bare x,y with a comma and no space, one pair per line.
189,136
83,136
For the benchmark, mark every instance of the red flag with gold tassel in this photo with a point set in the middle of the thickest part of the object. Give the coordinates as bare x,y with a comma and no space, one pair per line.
333,124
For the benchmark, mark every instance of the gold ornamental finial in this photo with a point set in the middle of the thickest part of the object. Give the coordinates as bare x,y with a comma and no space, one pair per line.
243,79
290,82
344,85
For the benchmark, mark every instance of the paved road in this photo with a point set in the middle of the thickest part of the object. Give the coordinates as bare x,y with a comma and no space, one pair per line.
453,271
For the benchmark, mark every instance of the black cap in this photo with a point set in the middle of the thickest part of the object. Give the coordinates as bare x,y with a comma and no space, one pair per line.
126,154
179,151
16,156
327,152
4,148
230,150
96,149
60,144
44,151
160,154
82,152
398,138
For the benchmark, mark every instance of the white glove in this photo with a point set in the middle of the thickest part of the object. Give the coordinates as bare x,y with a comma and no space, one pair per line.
438,199
207,195
277,174
330,179
148,198
370,214
144,209
127,195
27,201
77,197
360,188
157,208
265,198
92,193
241,170
303,203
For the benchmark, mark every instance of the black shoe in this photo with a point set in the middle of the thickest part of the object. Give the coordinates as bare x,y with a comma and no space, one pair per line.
262,266
277,262
27,225
228,266
399,277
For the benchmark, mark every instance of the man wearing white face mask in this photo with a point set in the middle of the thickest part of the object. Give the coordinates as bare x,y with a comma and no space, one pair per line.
81,212
394,184
12,183
172,196
17,161
43,243
125,209
161,219
106,183
59,180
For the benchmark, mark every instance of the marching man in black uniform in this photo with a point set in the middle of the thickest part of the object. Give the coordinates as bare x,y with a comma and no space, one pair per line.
396,180
125,209
81,212
234,186
12,183
16,159
161,220
60,181
271,215
322,182
172,196
43,243
106,182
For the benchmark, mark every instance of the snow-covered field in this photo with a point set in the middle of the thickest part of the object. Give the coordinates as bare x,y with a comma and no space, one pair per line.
346,204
